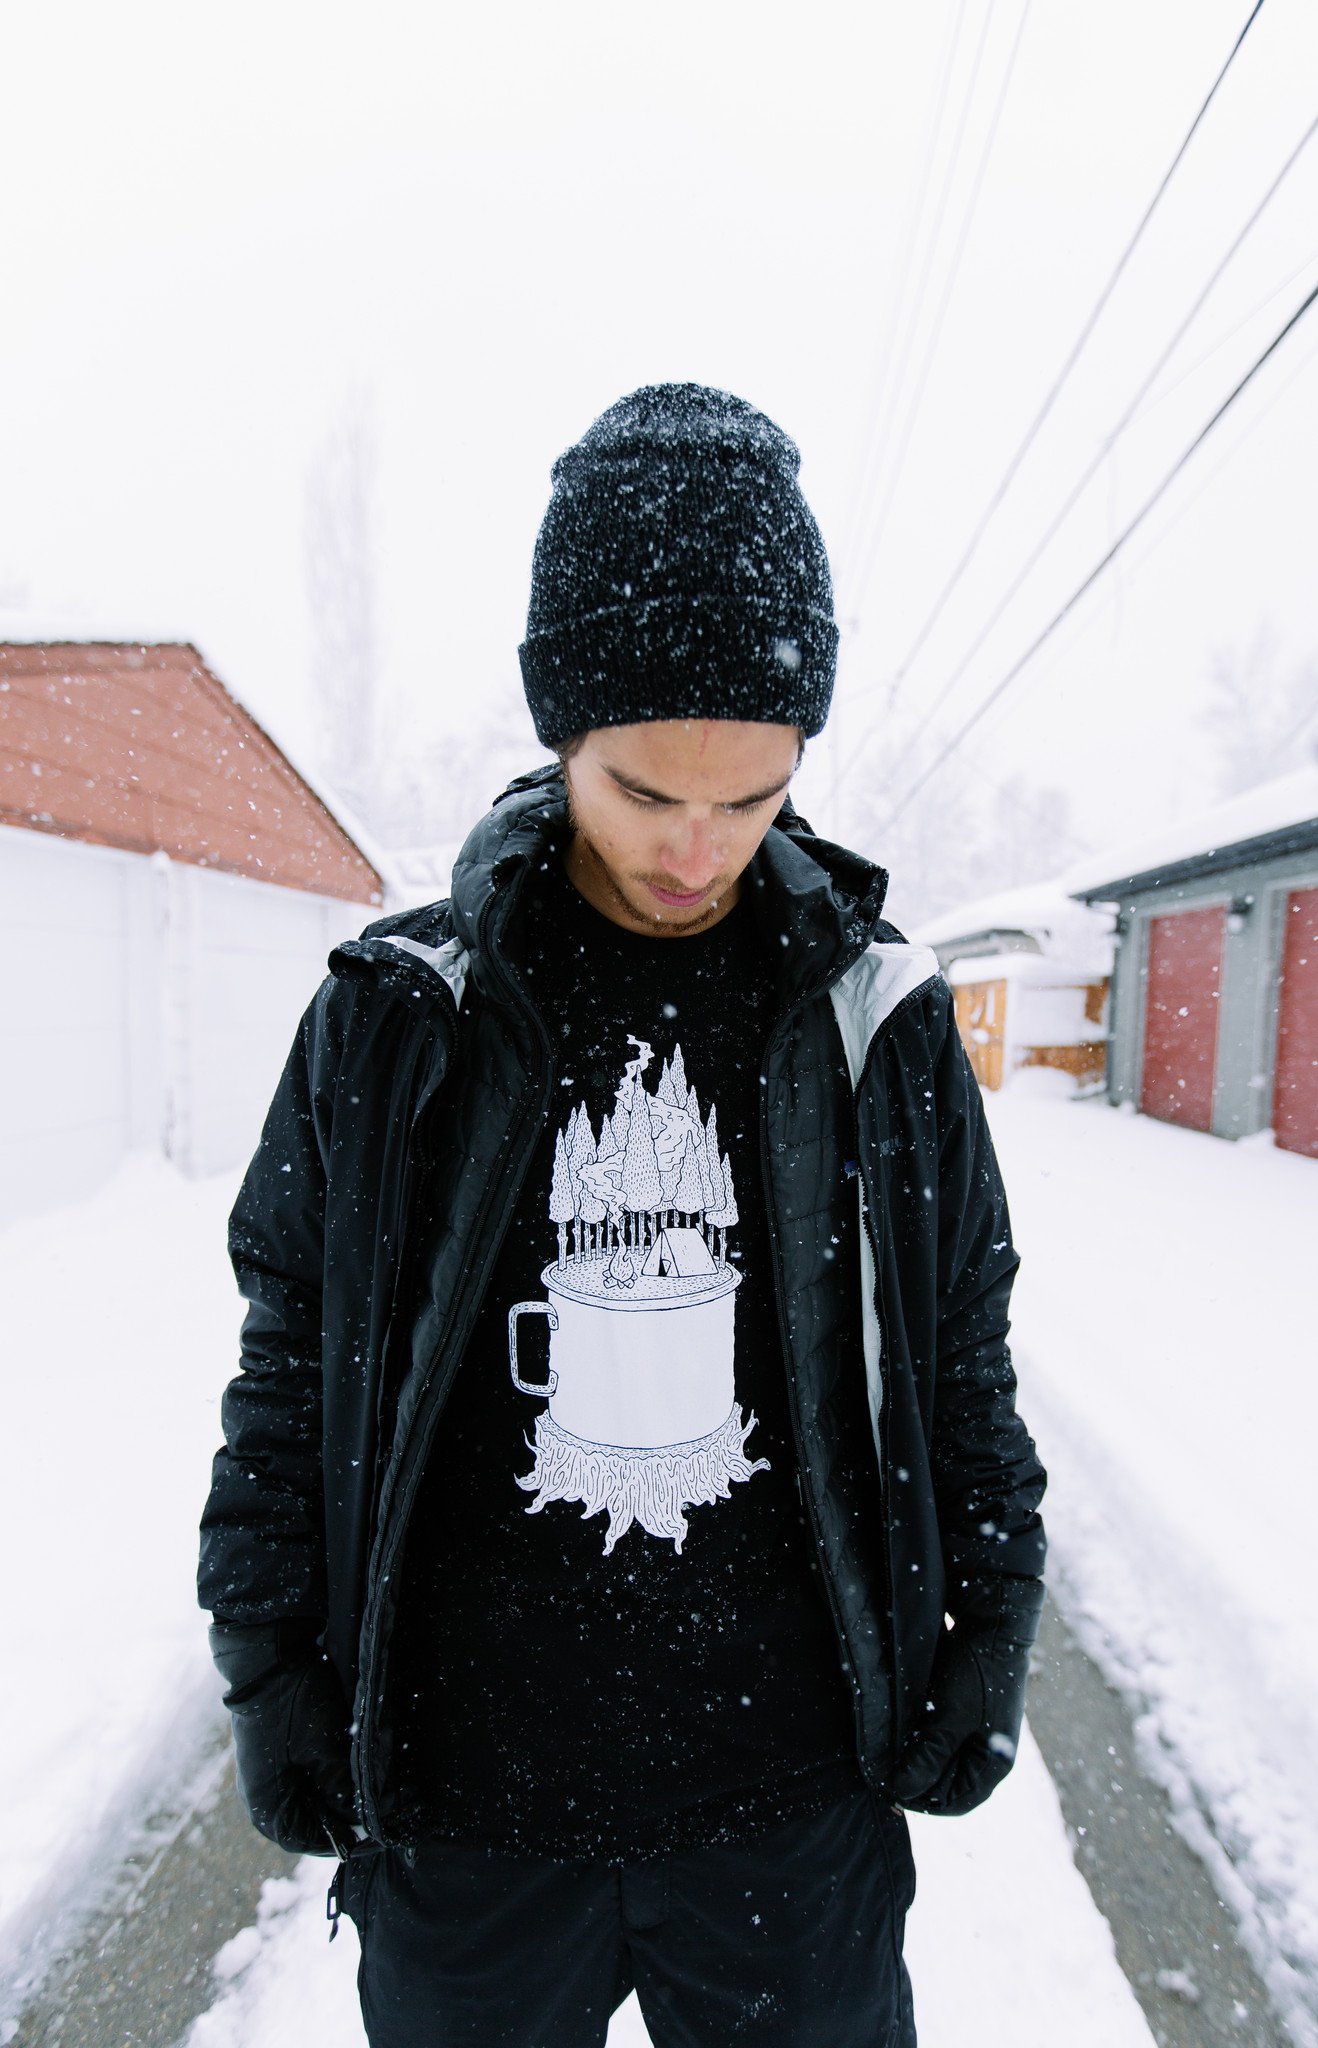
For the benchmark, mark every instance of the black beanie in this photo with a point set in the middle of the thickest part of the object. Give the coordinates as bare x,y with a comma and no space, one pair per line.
678,573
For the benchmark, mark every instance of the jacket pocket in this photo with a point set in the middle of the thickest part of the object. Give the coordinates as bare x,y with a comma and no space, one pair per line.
357,1882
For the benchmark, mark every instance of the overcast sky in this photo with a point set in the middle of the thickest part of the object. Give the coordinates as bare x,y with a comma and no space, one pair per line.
489,225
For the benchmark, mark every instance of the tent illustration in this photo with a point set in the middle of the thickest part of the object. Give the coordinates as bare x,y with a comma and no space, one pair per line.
678,1251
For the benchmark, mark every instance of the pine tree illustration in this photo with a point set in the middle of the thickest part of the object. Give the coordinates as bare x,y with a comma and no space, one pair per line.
562,1208
701,1150
593,1211
713,1170
580,1154
687,1198
729,1196
640,1184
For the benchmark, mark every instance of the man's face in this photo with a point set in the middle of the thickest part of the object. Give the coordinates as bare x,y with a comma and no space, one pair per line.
666,816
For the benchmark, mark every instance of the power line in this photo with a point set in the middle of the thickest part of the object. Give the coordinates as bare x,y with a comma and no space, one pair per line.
1204,483
1201,362
1073,357
917,215
912,326
1210,474
1042,638
949,285
1104,450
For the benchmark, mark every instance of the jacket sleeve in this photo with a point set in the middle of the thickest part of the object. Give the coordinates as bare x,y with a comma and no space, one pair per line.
987,1477
262,1533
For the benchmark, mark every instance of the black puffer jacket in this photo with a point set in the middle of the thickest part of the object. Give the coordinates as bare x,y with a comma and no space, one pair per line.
371,1216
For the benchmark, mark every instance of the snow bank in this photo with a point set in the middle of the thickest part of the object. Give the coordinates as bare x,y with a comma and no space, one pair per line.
1005,1946
1164,1336
120,1331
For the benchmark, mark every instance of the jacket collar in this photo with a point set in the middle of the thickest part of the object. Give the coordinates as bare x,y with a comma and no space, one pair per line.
817,906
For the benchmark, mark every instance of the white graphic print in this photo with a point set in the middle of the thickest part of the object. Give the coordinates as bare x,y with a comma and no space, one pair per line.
642,1420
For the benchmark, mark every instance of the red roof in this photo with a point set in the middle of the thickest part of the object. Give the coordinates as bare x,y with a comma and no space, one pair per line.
142,747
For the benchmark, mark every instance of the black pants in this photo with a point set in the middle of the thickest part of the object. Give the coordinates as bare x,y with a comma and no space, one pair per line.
792,1939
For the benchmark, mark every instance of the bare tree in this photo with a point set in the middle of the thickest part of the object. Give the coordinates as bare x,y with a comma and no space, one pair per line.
340,583
1262,714
430,792
966,835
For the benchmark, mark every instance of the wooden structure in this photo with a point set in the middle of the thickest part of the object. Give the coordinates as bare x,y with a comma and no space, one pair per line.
1030,977
1011,1017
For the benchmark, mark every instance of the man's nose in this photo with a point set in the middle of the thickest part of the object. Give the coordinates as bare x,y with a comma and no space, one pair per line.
693,850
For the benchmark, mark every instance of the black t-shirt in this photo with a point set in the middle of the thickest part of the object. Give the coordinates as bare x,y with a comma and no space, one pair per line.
613,1637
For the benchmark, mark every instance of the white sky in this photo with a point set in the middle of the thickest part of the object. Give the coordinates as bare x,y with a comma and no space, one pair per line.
216,225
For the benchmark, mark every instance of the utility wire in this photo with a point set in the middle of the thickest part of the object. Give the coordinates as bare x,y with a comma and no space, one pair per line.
1023,660
908,256
1205,482
912,326
1077,349
1202,361
936,333
1096,462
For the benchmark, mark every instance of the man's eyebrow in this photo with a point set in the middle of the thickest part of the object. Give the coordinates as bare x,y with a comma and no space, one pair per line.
657,796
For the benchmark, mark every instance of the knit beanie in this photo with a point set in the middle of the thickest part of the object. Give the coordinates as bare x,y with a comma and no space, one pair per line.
678,573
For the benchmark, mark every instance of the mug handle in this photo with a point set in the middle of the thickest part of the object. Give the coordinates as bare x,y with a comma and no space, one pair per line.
530,1308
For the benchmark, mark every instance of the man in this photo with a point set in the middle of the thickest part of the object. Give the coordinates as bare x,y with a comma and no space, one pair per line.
625,1403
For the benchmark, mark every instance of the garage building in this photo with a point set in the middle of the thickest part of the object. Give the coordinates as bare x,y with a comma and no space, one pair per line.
1214,1016
170,889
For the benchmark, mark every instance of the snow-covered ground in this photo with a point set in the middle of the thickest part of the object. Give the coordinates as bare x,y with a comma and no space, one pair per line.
1164,1335
120,1325
1005,1946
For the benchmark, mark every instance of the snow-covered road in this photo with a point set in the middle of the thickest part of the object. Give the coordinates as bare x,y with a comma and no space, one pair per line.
1164,1335
1164,1340
1005,1946
119,1323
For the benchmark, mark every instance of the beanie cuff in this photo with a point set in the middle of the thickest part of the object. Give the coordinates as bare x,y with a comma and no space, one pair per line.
709,657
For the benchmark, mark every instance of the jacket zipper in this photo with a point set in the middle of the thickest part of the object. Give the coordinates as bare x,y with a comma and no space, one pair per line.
882,1450
434,1393
805,1491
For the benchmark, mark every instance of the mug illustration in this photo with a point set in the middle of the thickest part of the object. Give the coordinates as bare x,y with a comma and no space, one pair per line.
642,1419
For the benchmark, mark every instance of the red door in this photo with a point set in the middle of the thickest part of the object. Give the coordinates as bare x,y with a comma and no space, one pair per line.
1295,1096
1180,1019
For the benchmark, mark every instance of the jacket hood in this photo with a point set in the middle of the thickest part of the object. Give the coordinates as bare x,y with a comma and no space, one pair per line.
817,905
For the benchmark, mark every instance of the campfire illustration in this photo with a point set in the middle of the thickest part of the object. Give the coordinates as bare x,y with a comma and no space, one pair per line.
642,1419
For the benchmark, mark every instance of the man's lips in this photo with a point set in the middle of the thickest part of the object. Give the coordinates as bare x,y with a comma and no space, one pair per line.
678,899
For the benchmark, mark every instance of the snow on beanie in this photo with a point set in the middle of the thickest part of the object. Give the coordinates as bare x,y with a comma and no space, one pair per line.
678,573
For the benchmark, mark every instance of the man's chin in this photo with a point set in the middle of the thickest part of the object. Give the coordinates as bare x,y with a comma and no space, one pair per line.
651,910
630,900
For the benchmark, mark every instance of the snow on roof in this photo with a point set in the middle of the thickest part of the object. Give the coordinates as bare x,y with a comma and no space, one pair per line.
1043,912
20,627
1031,970
1290,800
